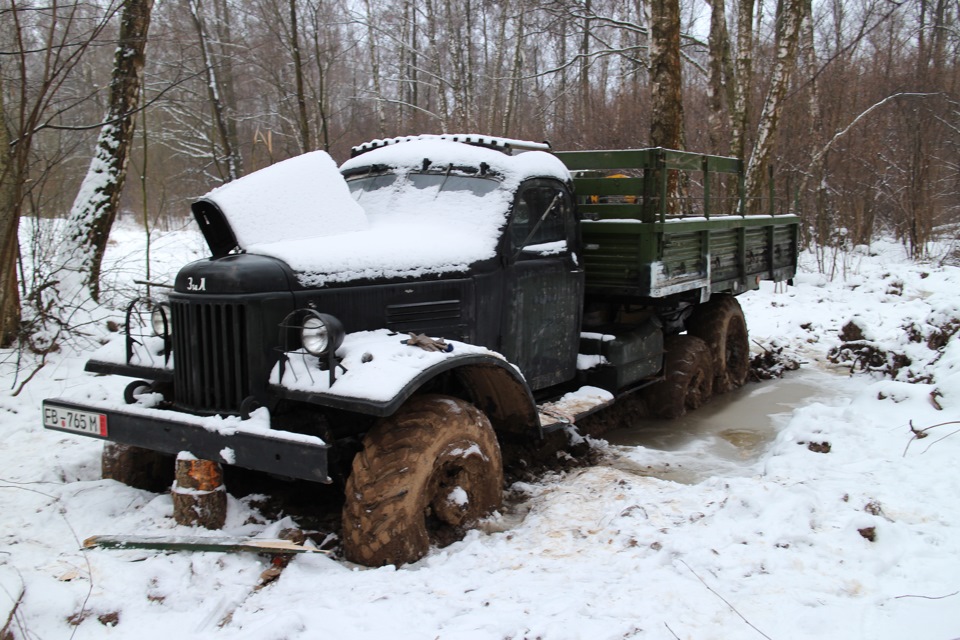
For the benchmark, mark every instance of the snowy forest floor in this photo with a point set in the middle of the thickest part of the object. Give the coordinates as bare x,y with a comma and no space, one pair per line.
842,521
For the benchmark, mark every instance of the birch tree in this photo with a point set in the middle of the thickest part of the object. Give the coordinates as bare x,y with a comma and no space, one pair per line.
743,85
98,201
789,17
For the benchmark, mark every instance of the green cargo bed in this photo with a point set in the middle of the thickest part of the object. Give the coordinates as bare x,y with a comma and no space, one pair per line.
638,241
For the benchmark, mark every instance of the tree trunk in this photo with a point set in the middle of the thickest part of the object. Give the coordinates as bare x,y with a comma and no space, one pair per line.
501,49
718,82
515,72
322,110
375,72
443,104
740,115
9,245
304,122
585,69
666,121
96,205
220,115
788,31
225,77
666,118
815,140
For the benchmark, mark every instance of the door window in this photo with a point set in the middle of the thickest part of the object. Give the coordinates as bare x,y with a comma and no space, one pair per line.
540,216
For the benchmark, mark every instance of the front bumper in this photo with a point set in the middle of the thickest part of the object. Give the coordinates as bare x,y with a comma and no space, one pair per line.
226,440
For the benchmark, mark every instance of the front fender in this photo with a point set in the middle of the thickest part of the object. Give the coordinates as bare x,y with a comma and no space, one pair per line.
378,372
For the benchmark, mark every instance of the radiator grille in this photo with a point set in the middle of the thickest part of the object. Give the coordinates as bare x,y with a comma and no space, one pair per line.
210,356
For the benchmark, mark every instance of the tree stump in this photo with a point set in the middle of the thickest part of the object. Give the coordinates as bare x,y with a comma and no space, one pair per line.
199,497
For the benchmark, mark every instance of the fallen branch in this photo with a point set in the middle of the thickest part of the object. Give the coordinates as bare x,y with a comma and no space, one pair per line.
43,363
919,434
5,632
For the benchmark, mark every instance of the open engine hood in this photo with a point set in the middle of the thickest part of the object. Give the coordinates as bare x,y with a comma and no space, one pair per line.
299,198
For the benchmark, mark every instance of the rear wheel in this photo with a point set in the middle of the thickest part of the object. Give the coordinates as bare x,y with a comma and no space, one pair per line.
720,323
425,475
688,378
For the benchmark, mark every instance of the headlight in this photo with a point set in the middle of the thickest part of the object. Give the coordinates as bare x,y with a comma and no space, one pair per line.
320,333
160,320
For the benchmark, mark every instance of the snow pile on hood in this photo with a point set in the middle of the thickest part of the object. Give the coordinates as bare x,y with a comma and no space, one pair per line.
411,232
303,197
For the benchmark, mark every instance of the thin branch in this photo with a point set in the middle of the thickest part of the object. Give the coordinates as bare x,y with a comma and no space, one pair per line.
817,157
725,601
949,595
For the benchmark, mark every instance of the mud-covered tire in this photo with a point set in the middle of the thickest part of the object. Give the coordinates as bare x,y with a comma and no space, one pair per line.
721,324
429,471
688,378
137,467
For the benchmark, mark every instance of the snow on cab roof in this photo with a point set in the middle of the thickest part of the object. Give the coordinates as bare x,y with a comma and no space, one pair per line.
409,230
507,145
442,150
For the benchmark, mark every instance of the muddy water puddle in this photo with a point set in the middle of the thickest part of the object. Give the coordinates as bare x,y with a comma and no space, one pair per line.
725,436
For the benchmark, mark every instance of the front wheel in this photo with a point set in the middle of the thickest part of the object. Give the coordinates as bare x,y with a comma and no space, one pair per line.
425,474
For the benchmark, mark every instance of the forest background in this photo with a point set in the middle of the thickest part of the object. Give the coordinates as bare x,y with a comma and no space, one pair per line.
856,105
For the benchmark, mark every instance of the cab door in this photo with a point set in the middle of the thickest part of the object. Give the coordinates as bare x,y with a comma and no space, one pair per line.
543,296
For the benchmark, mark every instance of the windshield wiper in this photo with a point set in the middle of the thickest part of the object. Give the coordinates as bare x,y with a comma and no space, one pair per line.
445,176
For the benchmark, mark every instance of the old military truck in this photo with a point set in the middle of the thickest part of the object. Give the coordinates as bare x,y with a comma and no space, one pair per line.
392,326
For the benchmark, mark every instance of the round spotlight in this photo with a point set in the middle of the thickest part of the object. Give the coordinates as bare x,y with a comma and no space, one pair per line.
320,333
160,319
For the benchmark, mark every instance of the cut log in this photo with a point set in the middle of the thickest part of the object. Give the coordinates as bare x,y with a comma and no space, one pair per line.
199,497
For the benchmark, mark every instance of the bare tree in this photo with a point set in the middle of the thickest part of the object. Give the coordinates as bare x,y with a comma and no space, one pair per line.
303,120
720,88
9,219
44,51
666,127
221,116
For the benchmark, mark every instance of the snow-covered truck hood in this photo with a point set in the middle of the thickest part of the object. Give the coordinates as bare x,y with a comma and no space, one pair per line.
302,211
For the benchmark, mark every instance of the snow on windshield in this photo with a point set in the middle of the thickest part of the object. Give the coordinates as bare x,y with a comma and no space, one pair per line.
421,221
301,197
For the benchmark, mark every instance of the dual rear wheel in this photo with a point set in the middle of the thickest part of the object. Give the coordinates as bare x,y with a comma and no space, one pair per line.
713,357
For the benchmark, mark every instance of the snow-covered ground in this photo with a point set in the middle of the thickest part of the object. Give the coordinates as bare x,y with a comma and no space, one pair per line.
856,536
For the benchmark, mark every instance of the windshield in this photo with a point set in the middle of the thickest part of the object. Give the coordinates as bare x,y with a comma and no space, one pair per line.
438,182
434,198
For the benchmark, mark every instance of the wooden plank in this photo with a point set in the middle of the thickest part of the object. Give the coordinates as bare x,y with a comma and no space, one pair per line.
199,543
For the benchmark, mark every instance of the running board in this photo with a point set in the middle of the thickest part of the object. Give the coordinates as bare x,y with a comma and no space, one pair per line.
572,407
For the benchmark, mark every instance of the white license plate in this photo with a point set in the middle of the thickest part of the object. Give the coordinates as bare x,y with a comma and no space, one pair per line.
89,422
